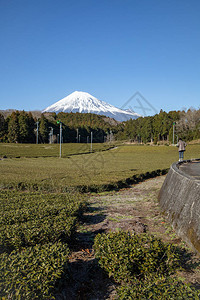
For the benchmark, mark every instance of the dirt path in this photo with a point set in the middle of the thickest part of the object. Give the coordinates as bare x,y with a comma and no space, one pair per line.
134,209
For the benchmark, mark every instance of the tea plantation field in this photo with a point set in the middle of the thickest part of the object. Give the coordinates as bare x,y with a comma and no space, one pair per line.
48,150
49,173
40,207
34,234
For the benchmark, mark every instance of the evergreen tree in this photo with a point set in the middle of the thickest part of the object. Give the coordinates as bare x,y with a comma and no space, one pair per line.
23,121
31,128
13,128
44,129
2,128
147,130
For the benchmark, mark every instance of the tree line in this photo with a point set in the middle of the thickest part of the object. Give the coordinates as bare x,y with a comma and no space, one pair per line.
160,127
21,127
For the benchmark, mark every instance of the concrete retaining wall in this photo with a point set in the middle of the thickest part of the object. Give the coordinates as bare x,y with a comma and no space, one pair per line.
179,200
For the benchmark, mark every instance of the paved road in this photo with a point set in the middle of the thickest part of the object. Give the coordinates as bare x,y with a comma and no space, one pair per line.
191,168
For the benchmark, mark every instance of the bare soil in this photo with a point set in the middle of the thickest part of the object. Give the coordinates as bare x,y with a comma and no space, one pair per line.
135,209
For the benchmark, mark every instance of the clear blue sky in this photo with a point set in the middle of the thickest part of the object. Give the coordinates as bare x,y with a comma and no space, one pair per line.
108,48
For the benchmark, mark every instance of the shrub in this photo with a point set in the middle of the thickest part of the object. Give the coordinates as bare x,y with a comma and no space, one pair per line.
36,231
33,273
27,219
32,229
157,289
142,265
126,256
18,207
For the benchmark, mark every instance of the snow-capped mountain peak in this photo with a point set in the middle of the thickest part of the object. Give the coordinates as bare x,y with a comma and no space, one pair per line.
83,102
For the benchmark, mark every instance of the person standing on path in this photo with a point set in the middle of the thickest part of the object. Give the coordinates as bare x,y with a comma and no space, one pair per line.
181,148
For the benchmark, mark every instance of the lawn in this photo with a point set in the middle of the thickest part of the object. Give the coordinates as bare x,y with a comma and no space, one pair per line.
54,173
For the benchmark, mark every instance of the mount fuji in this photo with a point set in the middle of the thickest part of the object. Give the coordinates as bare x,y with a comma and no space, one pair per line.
85,103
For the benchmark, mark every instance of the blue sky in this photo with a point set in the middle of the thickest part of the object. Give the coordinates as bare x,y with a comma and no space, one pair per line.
109,48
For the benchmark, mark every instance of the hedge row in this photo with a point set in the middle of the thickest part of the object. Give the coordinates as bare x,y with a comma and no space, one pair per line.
46,230
34,232
30,219
95,188
34,272
126,256
158,288
142,265
19,207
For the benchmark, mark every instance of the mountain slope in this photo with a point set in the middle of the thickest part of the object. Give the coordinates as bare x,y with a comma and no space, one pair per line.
85,103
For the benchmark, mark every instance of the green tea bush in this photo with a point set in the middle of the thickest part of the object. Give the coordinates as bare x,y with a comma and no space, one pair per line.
36,231
28,219
33,273
141,264
33,228
127,256
164,288
19,207
99,188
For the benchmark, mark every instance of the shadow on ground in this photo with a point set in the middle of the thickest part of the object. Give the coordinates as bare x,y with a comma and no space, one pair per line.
87,281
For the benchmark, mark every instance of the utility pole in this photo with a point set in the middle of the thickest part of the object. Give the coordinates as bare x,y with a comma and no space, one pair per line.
173,131
77,135
51,135
59,122
91,141
37,123
60,139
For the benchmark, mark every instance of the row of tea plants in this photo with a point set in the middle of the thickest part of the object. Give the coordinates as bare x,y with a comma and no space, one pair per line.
142,266
34,231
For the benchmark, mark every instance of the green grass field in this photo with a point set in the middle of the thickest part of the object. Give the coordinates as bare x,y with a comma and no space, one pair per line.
50,172
48,150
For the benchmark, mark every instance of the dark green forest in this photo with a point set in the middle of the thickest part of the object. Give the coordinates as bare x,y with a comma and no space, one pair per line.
21,127
160,127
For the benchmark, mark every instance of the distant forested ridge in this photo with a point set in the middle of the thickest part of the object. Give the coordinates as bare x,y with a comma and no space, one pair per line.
21,127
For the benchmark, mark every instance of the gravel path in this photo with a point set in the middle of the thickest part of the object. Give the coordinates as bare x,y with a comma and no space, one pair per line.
134,209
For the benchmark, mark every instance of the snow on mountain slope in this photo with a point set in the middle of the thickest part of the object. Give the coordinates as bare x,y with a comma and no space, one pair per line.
85,103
